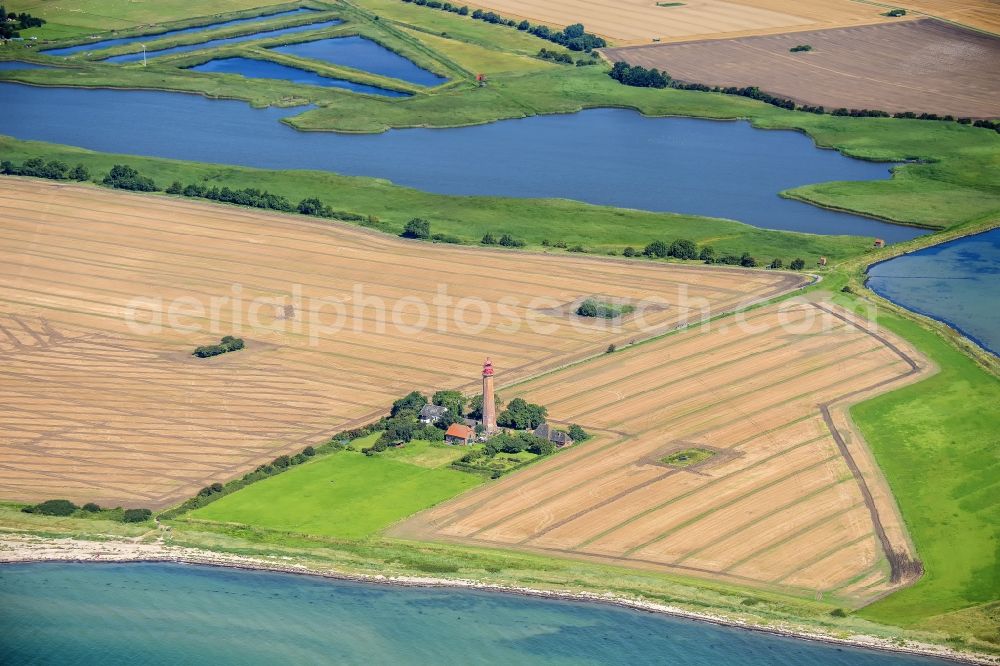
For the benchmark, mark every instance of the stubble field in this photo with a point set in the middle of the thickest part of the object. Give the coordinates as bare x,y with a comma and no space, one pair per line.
640,21
790,498
921,66
94,408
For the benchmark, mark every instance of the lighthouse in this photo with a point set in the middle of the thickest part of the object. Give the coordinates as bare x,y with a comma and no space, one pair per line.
489,404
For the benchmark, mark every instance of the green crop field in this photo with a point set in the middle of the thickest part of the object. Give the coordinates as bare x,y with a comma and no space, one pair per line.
345,494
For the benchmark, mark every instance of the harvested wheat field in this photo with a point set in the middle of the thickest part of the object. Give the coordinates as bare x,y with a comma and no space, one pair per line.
788,497
979,14
95,407
641,21
920,66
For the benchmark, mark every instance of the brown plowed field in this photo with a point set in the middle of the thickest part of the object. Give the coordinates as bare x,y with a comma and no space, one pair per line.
641,21
920,66
95,410
777,506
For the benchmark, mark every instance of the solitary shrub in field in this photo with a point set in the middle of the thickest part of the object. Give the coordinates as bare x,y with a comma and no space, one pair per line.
124,177
657,249
801,47
90,507
136,515
629,251
417,228
776,263
509,241
683,249
55,507
798,264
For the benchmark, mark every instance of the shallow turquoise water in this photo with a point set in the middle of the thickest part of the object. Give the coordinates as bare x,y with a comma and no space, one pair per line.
108,43
64,613
364,54
957,282
265,69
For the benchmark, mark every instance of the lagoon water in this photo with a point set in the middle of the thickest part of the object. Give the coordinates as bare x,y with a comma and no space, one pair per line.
265,69
612,157
17,64
226,41
363,54
71,613
108,43
957,282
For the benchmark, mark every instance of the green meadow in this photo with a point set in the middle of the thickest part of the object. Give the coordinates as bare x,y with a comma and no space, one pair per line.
938,444
346,494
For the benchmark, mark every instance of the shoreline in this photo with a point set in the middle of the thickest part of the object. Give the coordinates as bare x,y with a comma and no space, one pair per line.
24,549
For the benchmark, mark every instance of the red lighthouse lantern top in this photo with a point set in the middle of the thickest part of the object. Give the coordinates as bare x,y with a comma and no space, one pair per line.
488,368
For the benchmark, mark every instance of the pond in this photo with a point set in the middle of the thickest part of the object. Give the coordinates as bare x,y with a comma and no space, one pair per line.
17,64
363,54
613,157
180,614
226,41
108,43
264,69
957,282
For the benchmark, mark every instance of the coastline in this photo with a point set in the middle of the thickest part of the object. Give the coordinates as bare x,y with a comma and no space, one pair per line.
21,548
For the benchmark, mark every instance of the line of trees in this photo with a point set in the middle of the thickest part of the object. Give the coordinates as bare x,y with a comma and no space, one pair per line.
683,248
39,168
505,240
228,344
639,76
124,177
574,37
565,58
64,508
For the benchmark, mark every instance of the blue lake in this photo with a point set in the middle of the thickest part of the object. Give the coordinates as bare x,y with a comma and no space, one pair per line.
363,54
227,41
108,43
17,64
957,282
67,614
612,157
263,69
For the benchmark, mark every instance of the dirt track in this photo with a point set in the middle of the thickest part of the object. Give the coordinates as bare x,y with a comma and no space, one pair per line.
920,66
94,410
785,502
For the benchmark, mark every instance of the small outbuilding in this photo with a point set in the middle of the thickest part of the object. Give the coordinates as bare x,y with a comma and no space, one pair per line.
431,413
879,242
458,433
557,437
